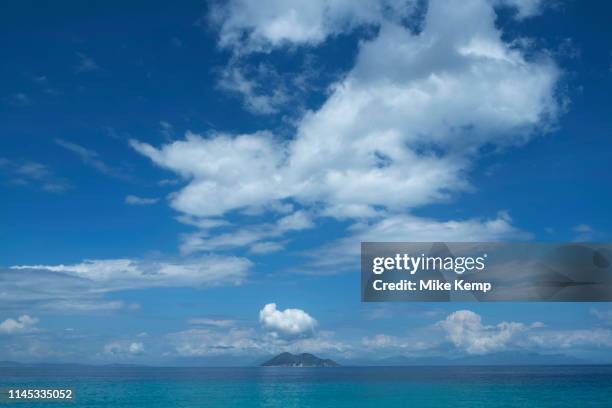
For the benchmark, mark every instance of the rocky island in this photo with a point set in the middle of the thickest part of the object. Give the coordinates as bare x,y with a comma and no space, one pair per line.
299,360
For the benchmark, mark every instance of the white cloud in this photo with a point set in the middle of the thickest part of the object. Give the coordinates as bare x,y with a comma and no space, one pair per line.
210,342
236,341
401,130
87,306
22,324
216,165
117,274
293,330
573,339
247,27
202,223
124,348
288,322
465,330
204,321
136,348
265,247
584,228
402,345
584,233
257,95
135,200
256,237
524,8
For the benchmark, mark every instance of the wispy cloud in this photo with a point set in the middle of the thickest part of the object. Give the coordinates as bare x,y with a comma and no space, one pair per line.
29,173
116,274
166,129
135,200
205,321
92,158
584,233
605,315
259,239
86,63
18,99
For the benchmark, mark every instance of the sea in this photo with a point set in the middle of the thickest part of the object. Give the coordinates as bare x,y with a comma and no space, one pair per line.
351,387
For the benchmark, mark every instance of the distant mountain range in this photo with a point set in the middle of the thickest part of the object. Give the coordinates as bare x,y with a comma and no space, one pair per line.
298,360
499,359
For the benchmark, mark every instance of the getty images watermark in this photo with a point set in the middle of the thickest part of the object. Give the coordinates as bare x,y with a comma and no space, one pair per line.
425,271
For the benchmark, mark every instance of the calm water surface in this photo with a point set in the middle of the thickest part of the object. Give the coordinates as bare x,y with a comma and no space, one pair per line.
354,387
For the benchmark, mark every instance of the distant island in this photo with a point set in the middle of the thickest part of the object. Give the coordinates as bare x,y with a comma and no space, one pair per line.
299,360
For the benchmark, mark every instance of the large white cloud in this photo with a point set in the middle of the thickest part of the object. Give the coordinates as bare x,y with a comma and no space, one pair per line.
288,322
246,26
401,130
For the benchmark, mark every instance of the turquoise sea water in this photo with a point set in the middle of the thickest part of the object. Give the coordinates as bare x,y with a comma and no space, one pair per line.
541,386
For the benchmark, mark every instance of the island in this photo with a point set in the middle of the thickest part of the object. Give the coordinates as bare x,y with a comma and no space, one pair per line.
299,360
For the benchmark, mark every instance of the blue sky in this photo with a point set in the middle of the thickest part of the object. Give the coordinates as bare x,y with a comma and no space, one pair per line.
167,171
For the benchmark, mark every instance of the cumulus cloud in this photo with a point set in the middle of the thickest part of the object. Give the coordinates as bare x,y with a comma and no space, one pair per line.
22,324
465,330
288,322
401,130
117,274
247,27
254,27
